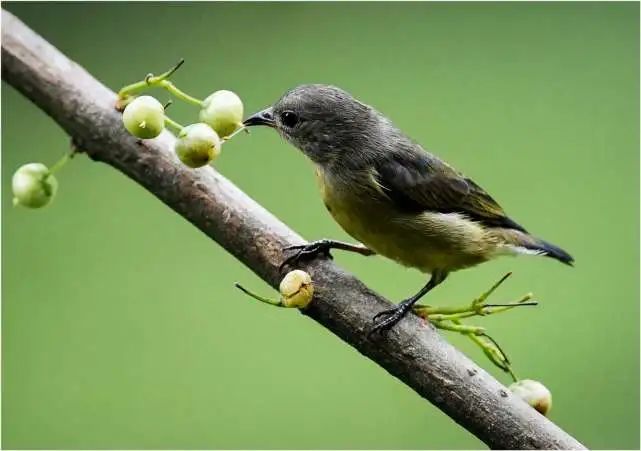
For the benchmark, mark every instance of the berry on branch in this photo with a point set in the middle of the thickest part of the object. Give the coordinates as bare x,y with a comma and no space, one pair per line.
534,393
197,145
222,111
144,117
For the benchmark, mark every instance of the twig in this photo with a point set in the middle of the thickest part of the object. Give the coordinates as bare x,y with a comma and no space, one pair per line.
416,355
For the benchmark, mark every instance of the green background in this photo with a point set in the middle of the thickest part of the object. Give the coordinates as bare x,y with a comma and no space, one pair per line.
120,323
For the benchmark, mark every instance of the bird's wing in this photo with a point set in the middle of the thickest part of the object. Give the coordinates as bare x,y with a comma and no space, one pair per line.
418,182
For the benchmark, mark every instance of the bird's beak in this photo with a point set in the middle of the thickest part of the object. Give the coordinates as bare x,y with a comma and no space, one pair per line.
264,117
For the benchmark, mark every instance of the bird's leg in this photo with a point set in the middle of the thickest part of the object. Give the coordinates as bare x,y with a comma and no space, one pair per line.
321,247
395,314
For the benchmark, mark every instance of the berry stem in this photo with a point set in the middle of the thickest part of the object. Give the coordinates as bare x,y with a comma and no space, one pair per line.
60,163
175,125
449,318
477,307
132,89
160,81
453,313
169,86
171,71
240,128
493,352
458,327
258,297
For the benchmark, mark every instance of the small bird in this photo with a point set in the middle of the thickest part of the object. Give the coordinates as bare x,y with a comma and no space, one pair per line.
391,195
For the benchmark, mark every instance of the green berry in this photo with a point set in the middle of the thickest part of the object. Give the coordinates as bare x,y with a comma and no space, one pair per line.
534,393
144,117
197,145
33,186
222,111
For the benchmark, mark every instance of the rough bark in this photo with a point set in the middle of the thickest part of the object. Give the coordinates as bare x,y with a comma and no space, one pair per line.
415,354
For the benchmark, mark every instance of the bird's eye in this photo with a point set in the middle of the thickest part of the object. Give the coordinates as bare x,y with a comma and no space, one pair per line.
289,119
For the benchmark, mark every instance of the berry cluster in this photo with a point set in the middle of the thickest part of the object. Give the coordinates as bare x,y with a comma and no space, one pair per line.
34,185
198,144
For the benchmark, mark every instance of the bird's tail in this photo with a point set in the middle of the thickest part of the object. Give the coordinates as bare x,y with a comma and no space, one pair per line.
555,252
523,243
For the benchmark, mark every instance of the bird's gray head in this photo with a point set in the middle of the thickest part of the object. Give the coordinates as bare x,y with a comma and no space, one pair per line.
323,121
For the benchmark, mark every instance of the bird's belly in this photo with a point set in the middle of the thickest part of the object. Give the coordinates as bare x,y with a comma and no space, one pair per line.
425,241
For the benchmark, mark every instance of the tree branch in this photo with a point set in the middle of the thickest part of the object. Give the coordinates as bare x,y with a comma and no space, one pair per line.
415,354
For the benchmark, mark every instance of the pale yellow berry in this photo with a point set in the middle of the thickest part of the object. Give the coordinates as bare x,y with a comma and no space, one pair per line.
223,111
296,289
33,186
534,393
144,117
197,145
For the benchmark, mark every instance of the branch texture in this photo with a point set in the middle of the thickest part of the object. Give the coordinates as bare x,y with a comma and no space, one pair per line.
415,354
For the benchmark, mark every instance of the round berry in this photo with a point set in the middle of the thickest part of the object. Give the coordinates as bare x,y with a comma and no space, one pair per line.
33,186
197,145
223,111
296,289
534,393
144,117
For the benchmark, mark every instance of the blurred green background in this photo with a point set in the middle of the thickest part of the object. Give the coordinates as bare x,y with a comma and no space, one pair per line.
120,323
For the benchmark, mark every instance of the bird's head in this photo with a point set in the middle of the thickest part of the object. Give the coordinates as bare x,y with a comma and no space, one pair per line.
323,121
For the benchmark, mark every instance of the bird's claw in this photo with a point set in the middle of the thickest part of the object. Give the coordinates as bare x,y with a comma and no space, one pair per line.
307,252
393,316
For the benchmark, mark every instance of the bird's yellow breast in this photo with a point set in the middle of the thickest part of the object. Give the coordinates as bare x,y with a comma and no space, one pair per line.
425,241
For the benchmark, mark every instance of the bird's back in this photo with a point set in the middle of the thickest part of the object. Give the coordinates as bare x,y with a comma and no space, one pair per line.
425,240
409,205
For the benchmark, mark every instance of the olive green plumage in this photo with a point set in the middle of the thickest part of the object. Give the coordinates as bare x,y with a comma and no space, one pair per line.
390,194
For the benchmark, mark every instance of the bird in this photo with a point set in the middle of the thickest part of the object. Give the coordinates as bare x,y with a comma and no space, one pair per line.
391,195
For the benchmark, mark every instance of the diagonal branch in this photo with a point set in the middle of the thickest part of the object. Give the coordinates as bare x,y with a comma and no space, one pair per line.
416,355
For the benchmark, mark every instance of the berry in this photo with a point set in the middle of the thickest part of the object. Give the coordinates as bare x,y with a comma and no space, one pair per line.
222,111
144,117
197,145
534,393
296,289
33,186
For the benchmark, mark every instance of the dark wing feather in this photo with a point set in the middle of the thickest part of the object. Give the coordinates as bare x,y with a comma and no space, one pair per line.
418,182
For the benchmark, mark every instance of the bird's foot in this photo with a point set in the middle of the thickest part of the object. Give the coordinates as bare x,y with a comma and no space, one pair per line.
307,252
391,316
